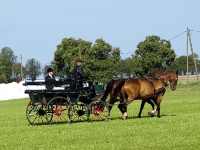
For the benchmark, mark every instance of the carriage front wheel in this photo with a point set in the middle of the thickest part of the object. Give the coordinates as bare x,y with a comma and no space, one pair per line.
57,110
97,111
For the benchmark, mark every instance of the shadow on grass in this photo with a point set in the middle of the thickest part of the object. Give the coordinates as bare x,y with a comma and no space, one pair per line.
136,117
91,121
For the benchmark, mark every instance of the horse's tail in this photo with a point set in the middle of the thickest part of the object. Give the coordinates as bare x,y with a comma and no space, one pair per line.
108,90
117,89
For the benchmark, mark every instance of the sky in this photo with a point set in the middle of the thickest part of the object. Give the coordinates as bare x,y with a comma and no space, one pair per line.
33,29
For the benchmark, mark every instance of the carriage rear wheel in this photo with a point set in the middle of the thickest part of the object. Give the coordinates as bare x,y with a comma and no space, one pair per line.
78,112
36,113
97,111
57,110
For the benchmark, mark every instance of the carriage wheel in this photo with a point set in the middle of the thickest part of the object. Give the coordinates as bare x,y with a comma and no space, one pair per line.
57,110
78,112
36,113
97,111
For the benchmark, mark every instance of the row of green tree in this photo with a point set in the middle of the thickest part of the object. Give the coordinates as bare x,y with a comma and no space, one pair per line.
102,61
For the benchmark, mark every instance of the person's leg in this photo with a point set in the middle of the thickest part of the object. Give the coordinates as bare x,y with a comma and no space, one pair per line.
92,90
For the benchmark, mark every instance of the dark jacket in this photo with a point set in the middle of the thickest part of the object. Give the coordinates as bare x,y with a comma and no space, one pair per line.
50,82
78,72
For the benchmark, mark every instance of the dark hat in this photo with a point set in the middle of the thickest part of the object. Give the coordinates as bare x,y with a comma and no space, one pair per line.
79,60
49,70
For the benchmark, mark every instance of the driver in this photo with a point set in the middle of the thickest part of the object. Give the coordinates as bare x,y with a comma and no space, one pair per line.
78,73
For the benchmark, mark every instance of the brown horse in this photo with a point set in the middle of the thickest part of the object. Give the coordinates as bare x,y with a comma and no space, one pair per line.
113,83
144,89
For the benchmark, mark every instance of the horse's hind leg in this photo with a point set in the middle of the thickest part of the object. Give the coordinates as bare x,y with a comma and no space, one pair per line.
109,109
123,108
110,105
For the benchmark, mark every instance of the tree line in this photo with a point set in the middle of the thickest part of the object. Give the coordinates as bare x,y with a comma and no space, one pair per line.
102,61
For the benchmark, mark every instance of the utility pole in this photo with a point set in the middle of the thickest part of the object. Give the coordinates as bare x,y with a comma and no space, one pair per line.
21,68
80,52
187,56
195,65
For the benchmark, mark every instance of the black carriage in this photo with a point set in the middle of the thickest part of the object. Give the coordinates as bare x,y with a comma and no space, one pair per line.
70,104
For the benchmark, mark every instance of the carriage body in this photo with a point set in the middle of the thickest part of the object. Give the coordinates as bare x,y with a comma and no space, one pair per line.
68,104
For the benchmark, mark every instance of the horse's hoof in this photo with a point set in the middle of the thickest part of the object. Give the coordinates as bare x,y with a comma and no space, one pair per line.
107,119
150,114
124,117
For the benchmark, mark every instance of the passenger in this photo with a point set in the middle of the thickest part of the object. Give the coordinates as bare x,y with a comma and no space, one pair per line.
78,74
50,80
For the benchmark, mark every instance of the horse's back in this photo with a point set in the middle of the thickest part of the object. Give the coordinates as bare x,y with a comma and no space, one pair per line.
143,87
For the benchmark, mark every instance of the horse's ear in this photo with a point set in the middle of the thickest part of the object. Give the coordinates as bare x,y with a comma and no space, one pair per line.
177,72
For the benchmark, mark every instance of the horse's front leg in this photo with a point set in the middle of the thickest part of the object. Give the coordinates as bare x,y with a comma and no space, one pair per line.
159,99
151,113
141,108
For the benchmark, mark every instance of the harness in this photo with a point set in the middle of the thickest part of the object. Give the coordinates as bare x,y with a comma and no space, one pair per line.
162,89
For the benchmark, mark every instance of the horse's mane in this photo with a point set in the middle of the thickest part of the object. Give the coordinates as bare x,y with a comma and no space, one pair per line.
155,73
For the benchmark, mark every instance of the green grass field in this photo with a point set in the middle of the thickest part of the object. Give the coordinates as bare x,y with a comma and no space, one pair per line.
177,129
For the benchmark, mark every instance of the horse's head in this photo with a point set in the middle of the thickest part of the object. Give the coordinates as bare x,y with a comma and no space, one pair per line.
173,80
171,77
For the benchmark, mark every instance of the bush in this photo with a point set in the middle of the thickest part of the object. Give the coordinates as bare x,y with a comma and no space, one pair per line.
3,79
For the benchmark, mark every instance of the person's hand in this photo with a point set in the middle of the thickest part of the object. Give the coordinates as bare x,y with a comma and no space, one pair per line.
63,86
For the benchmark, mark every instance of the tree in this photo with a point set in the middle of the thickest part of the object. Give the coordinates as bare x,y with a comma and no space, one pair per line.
8,54
17,70
66,55
128,67
33,68
125,67
5,71
7,59
152,54
44,69
198,65
180,64
3,78
100,59
120,69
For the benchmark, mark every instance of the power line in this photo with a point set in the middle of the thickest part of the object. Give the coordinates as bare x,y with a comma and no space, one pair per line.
183,33
177,35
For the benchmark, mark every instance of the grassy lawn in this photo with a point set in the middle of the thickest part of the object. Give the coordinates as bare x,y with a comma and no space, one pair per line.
177,129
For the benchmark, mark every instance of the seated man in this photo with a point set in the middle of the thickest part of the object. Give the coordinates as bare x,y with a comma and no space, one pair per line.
78,74
50,80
